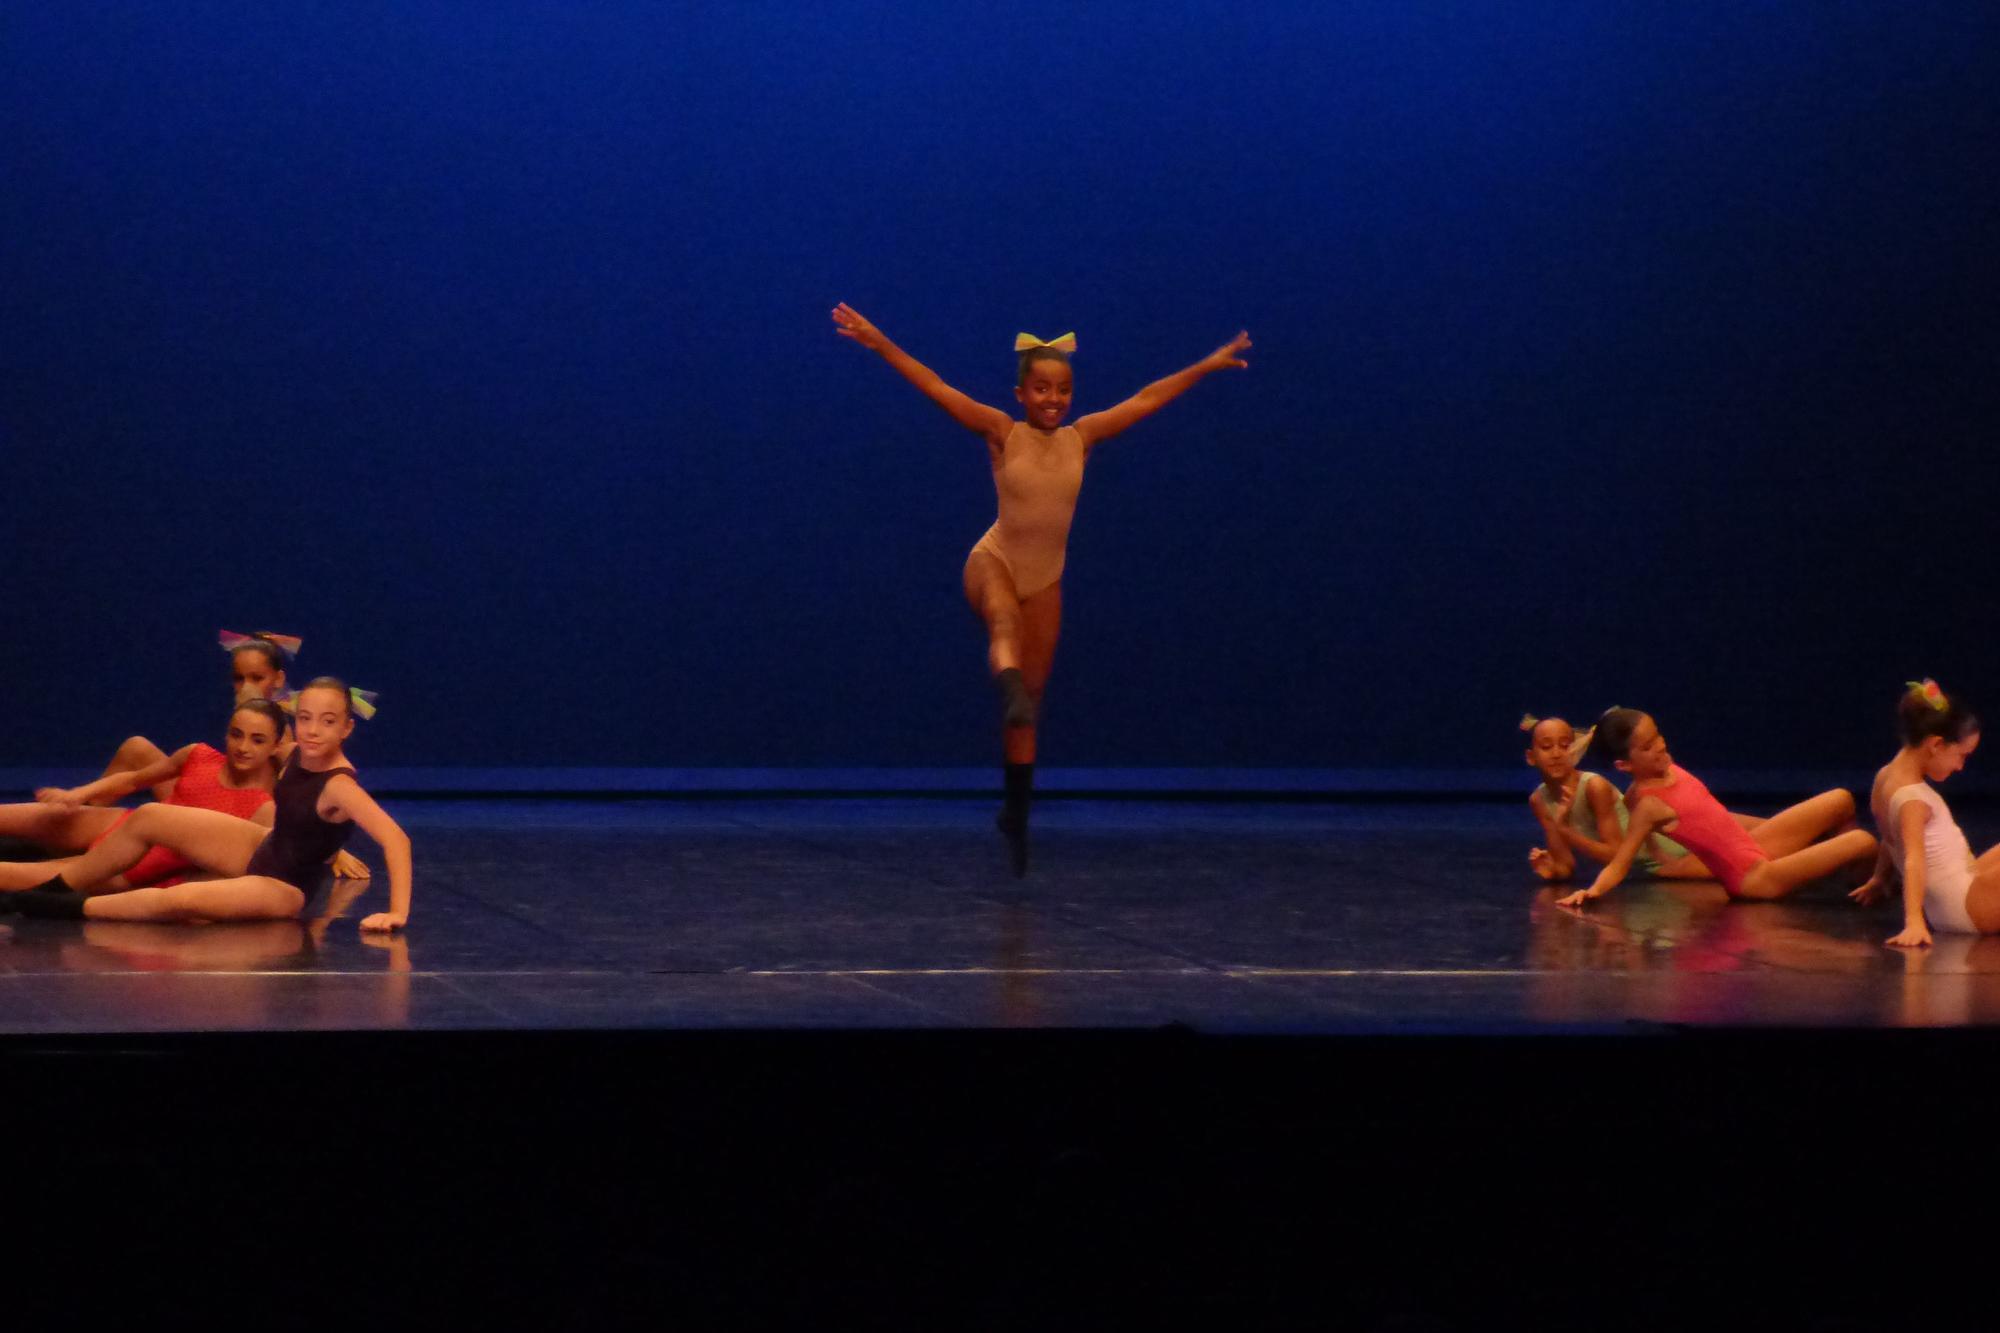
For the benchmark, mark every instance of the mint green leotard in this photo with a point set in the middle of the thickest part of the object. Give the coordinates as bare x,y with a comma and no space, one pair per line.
1657,850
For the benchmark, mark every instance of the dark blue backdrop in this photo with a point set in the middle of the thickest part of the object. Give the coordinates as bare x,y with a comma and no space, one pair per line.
1635,353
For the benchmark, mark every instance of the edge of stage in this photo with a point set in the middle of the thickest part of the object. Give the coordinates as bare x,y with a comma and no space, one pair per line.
1470,1109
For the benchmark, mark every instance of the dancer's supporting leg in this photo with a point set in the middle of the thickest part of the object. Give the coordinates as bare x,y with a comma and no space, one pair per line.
213,841
1791,839
1021,636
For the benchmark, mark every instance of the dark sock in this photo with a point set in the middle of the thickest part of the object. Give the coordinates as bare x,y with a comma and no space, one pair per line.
1017,708
62,904
1013,820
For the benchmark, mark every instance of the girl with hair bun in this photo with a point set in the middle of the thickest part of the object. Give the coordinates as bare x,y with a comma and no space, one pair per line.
1943,885
1013,576
1769,861
273,873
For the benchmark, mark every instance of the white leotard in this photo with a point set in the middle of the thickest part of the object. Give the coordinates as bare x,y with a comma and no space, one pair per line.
1947,857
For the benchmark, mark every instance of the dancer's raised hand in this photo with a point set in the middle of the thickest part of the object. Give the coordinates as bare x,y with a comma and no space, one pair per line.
851,323
1229,356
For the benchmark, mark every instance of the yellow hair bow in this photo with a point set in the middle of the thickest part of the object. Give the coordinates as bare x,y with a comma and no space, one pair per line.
1028,342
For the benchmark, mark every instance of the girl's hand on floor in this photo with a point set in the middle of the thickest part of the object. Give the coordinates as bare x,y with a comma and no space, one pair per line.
1870,893
384,921
1911,937
346,865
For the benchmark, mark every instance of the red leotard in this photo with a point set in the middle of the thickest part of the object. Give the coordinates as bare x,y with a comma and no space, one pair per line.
199,786
1703,827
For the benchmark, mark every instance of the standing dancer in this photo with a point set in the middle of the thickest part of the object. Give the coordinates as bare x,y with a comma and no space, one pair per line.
1013,576
268,874
1768,861
1943,885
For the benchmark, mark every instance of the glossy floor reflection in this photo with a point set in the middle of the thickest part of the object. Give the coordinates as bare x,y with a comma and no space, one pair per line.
1223,917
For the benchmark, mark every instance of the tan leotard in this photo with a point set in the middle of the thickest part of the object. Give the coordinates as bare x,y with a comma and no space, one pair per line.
1037,475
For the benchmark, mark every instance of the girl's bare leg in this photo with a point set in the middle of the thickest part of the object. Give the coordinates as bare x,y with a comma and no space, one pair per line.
1781,875
990,590
1801,825
136,753
60,828
27,874
244,898
1982,900
208,838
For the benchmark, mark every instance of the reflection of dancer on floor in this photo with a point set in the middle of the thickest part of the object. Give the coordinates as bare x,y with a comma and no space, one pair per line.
1582,812
1921,842
256,671
1768,861
200,777
267,875
1013,576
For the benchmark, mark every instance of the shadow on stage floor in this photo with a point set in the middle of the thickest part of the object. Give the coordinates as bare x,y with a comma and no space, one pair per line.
1254,1064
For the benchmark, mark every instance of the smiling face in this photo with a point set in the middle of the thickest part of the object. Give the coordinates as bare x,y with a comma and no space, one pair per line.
1548,750
1044,392
254,675
1942,758
1646,758
321,724
249,742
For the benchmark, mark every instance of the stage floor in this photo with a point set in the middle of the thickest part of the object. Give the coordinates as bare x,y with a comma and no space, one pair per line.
853,913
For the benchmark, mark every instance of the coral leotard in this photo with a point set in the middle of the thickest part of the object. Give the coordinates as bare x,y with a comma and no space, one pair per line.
1703,827
200,787
1037,475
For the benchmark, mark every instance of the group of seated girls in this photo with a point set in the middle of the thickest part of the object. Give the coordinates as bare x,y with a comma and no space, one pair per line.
253,831
1667,824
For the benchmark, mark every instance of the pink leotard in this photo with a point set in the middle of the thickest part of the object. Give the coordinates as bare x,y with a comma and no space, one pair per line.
1703,827
199,786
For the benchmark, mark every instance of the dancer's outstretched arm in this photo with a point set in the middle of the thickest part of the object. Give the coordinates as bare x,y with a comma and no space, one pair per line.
1647,816
977,417
344,796
118,785
1099,426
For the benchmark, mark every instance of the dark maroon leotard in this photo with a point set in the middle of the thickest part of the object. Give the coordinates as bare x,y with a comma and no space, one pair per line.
300,843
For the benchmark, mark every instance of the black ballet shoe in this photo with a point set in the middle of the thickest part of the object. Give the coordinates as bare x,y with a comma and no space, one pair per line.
65,905
1017,705
1013,826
